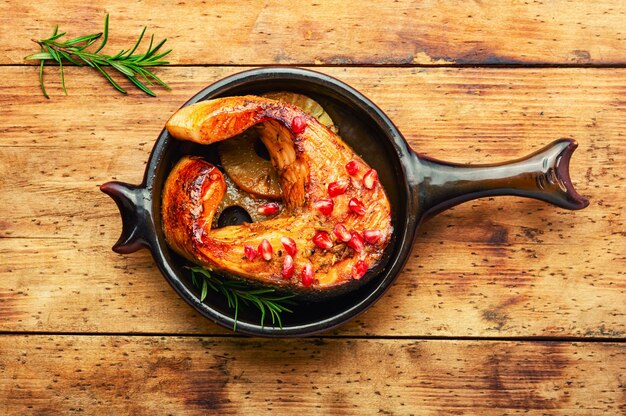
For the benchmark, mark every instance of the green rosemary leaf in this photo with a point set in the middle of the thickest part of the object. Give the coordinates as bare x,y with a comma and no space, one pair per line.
204,291
229,296
88,62
62,75
43,88
154,50
193,278
69,58
111,80
141,86
41,55
262,309
117,56
159,56
260,291
57,36
87,44
138,42
157,79
81,39
151,42
273,307
53,53
236,312
105,35
124,70
212,286
280,321
141,72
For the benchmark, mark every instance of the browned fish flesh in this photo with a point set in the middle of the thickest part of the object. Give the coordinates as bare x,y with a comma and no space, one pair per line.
336,219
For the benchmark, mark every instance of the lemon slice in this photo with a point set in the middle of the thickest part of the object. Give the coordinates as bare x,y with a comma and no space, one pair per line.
242,158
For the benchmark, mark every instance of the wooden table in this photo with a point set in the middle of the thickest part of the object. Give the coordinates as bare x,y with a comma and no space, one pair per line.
506,306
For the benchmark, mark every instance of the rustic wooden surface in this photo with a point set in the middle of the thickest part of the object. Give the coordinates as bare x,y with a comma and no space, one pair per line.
350,32
506,305
172,375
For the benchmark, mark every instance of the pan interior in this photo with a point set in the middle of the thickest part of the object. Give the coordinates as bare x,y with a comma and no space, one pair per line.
370,140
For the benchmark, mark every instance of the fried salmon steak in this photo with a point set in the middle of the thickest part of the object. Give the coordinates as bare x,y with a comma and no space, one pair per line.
336,219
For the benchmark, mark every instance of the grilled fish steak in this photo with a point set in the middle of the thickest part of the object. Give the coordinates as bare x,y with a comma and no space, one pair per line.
336,215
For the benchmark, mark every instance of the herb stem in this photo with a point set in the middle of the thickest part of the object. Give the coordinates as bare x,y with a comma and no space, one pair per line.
237,293
125,62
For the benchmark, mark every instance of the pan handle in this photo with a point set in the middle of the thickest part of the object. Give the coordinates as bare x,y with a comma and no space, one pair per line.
135,204
543,175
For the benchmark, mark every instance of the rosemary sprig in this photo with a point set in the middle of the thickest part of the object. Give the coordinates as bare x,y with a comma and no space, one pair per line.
238,292
126,62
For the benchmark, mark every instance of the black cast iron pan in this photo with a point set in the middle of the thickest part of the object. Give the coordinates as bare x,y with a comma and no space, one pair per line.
418,187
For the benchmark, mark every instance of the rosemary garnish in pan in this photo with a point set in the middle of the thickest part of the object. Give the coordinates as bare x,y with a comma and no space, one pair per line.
237,293
126,62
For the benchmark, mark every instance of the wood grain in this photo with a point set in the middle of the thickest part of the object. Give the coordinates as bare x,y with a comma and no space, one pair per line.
502,267
147,375
338,33
509,267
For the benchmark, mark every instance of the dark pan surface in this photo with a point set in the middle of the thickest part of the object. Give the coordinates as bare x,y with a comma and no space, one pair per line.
368,131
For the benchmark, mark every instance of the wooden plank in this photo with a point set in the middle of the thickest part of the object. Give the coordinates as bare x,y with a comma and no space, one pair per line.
433,107
386,32
507,268
142,375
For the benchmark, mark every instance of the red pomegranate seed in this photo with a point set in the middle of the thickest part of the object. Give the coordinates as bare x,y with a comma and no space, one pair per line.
250,252
359,269
325,206
356,206
322,240
337,188
270,208
342,233
372,236
370,179
356,242
265,250
352,167
288,267
307,275
290,245
298,124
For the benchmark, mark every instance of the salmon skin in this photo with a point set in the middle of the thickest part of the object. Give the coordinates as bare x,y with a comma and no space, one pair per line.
338,233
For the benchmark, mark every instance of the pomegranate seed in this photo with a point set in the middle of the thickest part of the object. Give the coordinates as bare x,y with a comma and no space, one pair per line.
250,252
288,267
356,242
265,250
337,188
342,233
356,206
290,245
370,179
298,124
322,240
352,167
270,208
307,275
325,206
372,236
359,269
